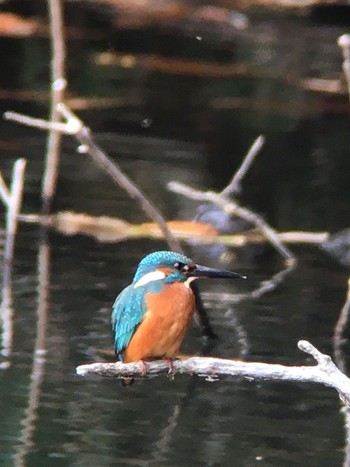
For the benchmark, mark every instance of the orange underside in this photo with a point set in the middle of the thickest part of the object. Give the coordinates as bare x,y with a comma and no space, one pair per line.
164,325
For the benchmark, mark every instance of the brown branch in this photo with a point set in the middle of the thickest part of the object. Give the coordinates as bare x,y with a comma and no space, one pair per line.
325,372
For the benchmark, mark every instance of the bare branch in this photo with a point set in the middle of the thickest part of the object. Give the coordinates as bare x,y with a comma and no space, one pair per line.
233,208
58,86
325,372
39,123
235,184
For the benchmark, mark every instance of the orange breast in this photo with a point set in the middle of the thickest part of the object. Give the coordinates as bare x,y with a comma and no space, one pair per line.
164,325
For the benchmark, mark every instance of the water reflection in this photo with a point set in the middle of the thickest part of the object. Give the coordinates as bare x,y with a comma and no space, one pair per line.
26,442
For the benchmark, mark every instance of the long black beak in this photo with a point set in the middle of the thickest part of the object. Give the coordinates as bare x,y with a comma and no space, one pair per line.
210,273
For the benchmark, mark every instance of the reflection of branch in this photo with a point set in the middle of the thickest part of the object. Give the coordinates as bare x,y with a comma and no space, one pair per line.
272,283
6,314
325,372
233,208
39,357
344,43
165,438
58,85
235,184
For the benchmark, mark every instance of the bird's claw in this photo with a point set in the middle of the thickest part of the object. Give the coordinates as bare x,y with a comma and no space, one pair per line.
143,368
171,373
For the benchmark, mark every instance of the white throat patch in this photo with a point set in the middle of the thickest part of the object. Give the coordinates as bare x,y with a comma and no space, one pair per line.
189,280
150,277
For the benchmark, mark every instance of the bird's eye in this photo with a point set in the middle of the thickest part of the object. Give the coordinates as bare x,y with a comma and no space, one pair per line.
185,268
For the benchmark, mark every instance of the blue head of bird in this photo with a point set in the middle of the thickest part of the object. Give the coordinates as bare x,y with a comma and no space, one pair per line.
169,267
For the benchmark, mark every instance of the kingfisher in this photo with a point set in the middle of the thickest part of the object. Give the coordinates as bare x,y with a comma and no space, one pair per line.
150,317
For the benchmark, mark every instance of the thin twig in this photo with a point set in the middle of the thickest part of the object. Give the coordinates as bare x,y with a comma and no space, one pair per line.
58,86
344,44
41,124
233,208
235,184
325,372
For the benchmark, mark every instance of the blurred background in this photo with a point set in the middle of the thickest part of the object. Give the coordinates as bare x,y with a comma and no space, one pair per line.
177,90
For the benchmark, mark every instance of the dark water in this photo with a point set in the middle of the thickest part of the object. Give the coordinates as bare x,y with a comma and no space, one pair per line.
198,134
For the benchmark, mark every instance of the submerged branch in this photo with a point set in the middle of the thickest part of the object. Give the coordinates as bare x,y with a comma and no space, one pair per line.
325,372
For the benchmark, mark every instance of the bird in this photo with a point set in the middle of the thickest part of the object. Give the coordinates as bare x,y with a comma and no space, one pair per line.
150,317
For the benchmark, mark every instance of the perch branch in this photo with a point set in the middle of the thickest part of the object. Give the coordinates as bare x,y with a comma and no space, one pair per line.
325,372
235,184
233,208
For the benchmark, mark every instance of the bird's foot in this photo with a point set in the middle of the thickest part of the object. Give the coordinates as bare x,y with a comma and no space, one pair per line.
143,367
169,362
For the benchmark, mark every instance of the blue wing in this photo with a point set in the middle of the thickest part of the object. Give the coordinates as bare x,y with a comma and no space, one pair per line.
128,311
